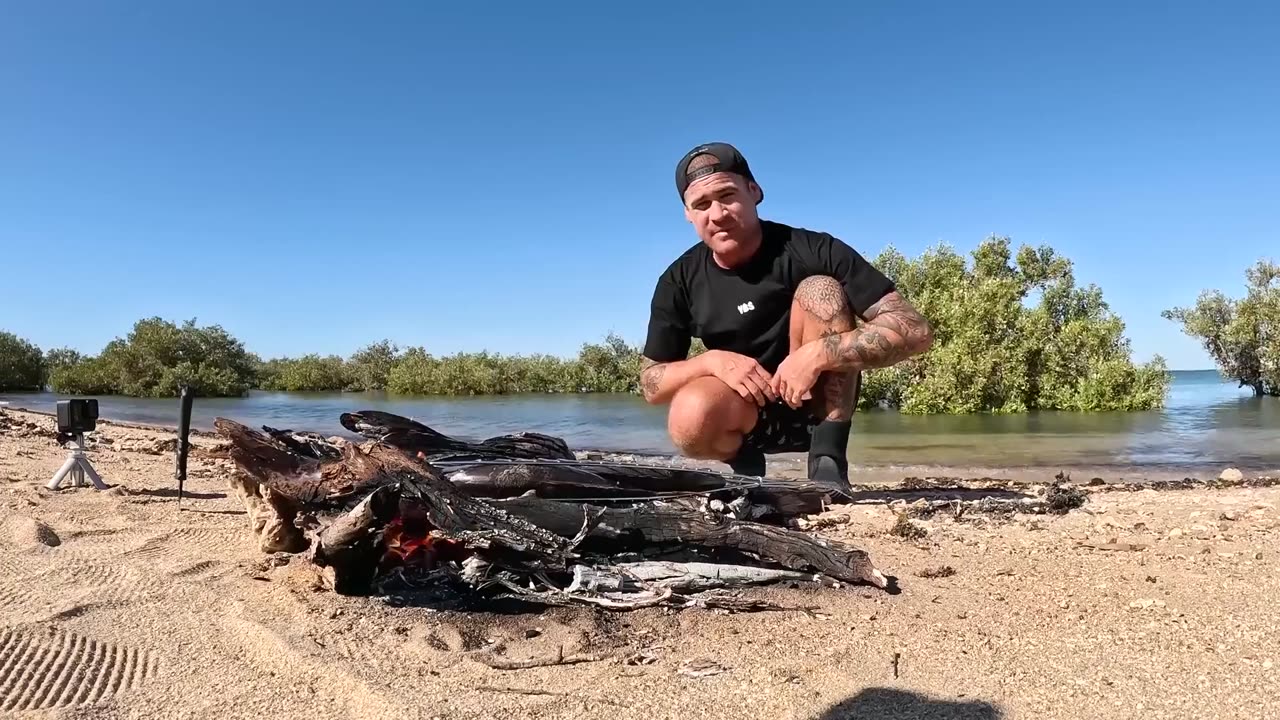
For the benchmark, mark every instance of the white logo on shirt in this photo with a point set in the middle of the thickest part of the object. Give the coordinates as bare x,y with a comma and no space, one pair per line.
746,307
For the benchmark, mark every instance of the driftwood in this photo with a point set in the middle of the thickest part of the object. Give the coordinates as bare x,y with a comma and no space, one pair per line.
415,437
682,577
367,511
597,482
585,480
651,525
488,480
304,444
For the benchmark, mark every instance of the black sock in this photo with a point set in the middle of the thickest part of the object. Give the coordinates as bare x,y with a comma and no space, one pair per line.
831,439
748,461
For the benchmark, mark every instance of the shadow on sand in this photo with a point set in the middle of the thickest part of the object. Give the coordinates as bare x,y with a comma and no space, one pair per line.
167,492
889,704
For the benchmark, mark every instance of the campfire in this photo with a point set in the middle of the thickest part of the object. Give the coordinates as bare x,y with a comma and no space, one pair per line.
520,516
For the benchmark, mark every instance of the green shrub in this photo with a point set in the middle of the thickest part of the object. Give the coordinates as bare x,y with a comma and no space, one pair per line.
21,364
1011,336
156,358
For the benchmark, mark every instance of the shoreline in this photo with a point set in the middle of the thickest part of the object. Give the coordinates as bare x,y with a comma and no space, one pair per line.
992,615
792,465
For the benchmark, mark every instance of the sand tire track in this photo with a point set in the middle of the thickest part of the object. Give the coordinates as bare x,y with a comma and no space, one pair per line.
55,669
64,588
204,542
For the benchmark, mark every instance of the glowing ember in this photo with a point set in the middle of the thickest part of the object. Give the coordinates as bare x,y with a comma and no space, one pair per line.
411,543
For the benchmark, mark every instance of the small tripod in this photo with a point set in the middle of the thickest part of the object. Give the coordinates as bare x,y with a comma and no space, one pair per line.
77,466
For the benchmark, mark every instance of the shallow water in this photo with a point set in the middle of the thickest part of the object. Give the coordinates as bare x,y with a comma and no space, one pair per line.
1206,422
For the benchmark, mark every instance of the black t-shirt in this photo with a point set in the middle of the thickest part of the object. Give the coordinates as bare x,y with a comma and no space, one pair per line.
747,309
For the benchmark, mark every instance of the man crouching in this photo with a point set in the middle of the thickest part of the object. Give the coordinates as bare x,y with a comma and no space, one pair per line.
775,306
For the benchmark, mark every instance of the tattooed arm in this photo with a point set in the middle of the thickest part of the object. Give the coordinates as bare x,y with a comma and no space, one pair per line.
660,380
892,332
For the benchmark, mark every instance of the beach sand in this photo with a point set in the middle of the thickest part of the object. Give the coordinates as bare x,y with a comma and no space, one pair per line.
121,604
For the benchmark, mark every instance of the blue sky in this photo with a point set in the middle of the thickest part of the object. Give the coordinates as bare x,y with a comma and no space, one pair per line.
315,176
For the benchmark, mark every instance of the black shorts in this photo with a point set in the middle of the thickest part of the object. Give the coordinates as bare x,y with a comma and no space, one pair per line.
781,428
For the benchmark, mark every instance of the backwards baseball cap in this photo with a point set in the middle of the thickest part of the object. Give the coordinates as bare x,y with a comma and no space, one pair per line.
723,157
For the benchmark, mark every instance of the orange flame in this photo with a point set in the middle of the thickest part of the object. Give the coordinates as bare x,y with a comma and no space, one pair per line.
413,545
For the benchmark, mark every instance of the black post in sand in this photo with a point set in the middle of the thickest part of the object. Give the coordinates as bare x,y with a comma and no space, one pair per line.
184,445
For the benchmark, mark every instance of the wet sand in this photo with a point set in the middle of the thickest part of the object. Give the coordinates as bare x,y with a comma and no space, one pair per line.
121,604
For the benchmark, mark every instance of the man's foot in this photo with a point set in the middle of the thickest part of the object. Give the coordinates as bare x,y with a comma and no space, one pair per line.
832,475
828,461
749,461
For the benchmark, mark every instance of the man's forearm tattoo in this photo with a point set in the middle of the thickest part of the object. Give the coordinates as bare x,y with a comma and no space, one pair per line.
651,376
899,316
838,388
893,332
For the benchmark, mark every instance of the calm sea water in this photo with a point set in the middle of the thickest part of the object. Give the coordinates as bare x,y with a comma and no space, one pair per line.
1206,422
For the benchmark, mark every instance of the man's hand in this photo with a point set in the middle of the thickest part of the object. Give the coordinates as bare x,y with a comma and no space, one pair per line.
798,373
743,374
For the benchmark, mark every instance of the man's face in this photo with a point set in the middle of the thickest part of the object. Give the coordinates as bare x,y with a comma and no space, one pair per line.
722,209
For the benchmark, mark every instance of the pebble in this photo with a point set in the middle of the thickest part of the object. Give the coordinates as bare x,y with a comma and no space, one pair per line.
1231,475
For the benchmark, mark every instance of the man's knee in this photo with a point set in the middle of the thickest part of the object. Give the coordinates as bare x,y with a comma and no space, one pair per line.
823,298
707,419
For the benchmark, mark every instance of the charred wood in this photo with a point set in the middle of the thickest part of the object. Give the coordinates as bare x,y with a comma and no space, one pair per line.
304,444
681,577
413,437
548,481
653,524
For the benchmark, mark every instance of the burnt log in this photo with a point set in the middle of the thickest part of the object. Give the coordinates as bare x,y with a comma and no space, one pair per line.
657,525
580,479
413,437
681,577
489,480
369,505
366,489
304,444
257,454
597,482
353,545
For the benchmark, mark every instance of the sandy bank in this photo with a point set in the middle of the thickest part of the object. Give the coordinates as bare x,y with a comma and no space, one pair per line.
120,604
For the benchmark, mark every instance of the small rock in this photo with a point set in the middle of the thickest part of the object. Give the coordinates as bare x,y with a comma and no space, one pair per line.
1231,475
29,531
1176,532
532,633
